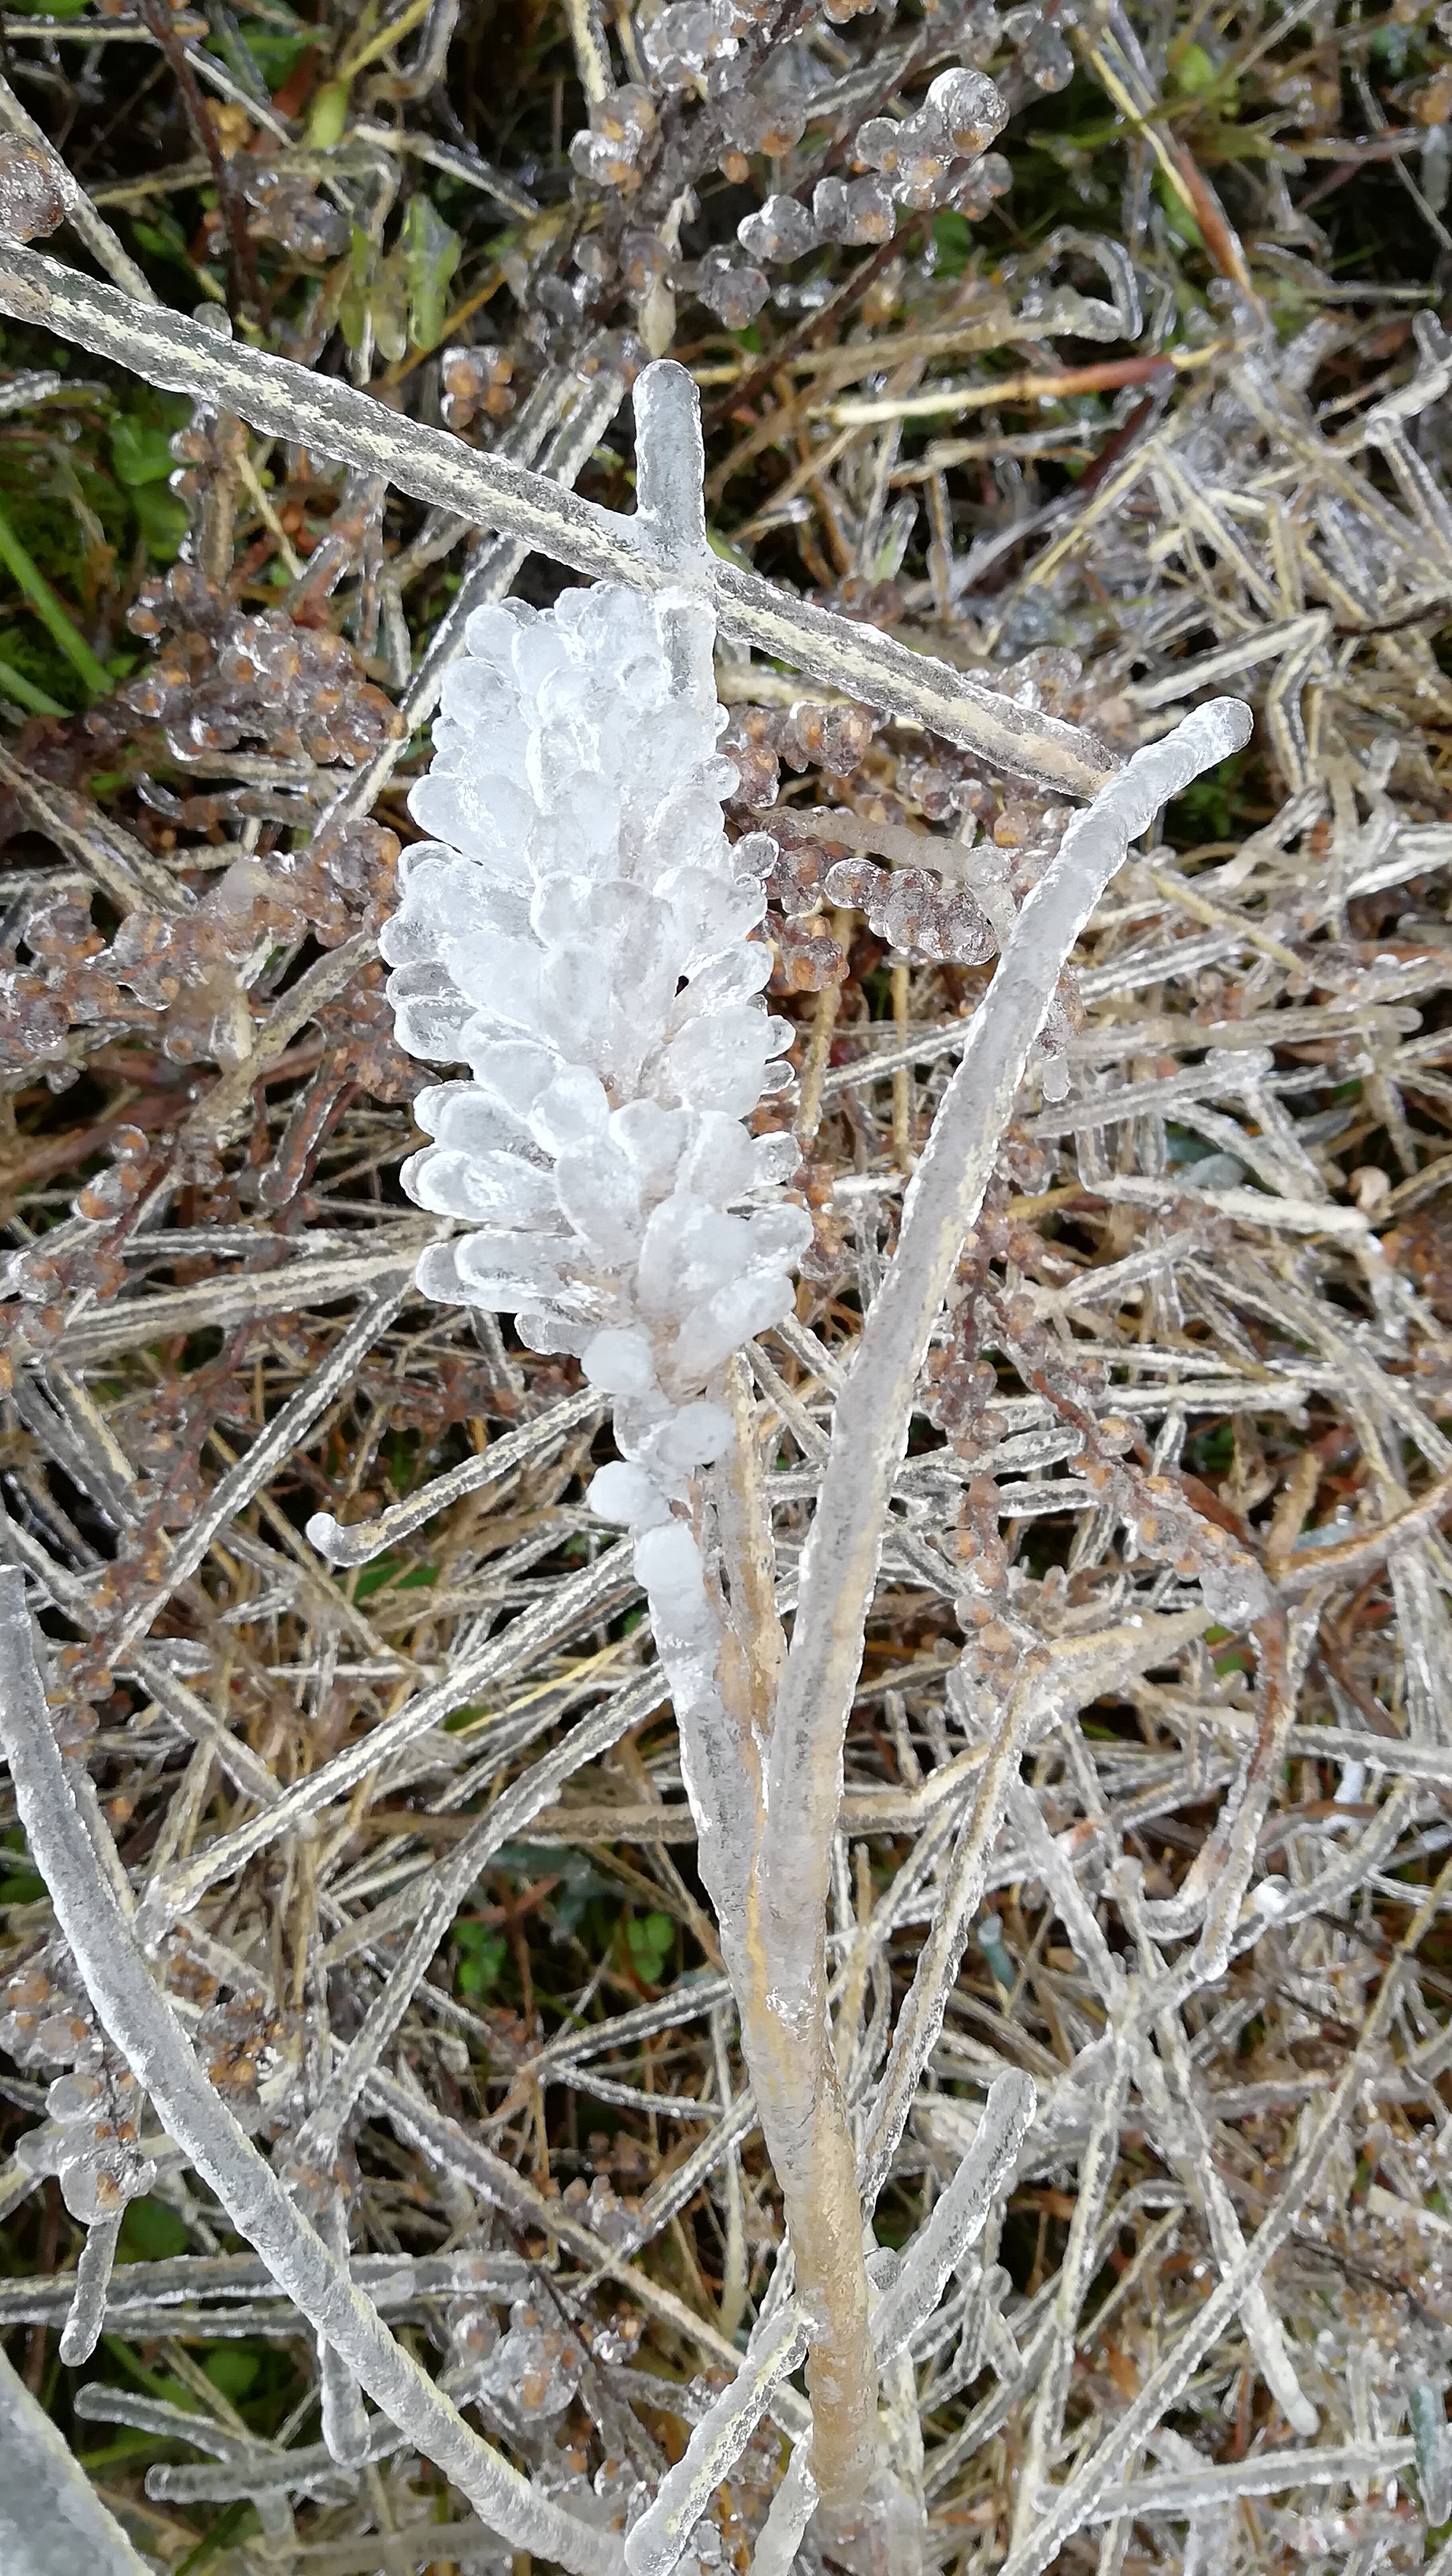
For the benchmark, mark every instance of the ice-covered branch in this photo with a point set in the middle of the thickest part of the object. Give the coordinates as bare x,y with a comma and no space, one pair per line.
333,419
659,2538
792,2508
355,1543
135,2013
958,2216
870,1423
82,2329
52,2522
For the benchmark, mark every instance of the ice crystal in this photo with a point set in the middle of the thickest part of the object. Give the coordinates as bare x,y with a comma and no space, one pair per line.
580,935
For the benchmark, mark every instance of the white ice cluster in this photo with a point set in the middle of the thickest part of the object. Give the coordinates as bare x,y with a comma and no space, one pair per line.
579,935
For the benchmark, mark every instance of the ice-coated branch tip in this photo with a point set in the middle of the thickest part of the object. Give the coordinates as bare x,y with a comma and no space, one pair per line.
873,1410
657,2542
82,2329
670,468
790,2511
358,1542
958,2216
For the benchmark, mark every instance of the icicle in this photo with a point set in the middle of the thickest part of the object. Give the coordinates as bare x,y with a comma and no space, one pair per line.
82,2329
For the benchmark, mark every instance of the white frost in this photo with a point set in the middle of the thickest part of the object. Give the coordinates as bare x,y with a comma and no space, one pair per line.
579,935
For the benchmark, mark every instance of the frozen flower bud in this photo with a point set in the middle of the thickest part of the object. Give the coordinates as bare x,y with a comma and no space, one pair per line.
621,126
643,259
31,204
772,126
686,37
969,110
730,290
781,230
888,143
853,211
580,934
1043,56
834,738
475,381
974,190
288,210
748,745
915,912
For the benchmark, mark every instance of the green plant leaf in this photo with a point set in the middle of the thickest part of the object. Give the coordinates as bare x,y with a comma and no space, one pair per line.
484,1952
235,2368
430,254
388,309
23,569
151,2233
162,519
652,1939
329,116
274,52
141,451
953,242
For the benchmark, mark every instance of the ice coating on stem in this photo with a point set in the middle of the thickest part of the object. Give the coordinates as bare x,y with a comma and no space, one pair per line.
659,2539
82,2329
958,2216
792,2508
870,1422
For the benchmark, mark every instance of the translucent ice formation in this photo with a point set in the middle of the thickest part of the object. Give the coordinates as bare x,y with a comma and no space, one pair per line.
579,934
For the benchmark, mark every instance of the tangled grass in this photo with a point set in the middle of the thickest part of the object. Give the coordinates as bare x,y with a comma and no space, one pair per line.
1150,1754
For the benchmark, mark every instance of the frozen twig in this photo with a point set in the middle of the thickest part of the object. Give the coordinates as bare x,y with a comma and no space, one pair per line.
82,2329
52,2522
286,401
141,2024
872,1413
357,1542
792,2508
957,2218
656,2544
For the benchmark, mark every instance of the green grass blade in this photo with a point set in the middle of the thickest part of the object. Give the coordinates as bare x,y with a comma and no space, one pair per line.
36,702
19,562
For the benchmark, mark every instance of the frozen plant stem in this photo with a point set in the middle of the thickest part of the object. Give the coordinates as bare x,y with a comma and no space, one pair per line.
580,936
82,2329
870,1421
658,2539
286,401
139,2020
958,2216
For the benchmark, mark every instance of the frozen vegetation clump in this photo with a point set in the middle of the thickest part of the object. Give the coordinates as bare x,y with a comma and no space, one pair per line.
580,934
829,1968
